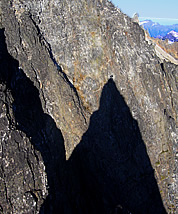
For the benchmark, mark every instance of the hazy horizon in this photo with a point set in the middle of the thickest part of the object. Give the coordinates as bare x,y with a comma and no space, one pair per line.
162,11
162,21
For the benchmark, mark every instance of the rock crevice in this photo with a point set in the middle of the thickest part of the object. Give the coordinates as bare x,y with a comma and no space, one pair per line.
87,112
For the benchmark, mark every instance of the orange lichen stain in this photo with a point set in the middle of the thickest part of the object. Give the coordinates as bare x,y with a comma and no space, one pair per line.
76,63
111,63
77,67
74,80
93,34
78,79
77,87
69,104
76,70
107,59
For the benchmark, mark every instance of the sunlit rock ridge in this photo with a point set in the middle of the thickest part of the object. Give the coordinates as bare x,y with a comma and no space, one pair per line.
87,112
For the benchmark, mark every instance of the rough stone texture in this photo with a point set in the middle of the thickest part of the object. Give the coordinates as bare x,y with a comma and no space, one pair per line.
88,112
32,148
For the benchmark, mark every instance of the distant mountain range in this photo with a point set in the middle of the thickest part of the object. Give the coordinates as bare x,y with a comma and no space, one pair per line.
164,32
172,36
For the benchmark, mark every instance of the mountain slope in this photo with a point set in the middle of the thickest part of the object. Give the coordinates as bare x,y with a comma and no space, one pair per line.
88,112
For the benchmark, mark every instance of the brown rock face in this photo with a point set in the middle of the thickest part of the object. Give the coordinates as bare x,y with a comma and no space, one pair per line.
171,49
87,112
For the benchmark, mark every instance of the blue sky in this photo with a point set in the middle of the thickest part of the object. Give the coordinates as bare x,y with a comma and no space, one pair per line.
166,11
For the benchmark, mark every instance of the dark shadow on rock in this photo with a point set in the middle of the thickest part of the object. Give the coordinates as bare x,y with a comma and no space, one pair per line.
108,172
39,127
114,171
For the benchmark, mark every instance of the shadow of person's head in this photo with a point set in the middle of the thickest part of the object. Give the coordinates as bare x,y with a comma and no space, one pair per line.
112,161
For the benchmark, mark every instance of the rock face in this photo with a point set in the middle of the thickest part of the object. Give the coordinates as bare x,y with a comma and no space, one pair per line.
87,112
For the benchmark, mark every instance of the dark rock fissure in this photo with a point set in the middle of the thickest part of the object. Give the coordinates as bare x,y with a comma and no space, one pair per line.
162,67
109,170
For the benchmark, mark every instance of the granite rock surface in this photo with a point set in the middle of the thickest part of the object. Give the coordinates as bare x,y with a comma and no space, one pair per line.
87,112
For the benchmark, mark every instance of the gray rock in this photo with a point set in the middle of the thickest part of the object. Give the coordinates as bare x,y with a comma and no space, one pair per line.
88,112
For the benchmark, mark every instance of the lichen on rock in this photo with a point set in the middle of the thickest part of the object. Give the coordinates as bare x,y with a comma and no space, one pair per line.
88,112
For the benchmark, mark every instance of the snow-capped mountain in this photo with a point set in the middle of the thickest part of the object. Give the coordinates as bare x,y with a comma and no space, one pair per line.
172,36
158,31
148,23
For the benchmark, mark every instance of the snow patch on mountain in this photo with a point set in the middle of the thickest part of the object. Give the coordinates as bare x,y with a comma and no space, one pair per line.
172,36
143,22
174,33
154,24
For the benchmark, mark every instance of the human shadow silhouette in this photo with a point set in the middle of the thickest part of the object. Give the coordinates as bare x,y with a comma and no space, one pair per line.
108,172
112,164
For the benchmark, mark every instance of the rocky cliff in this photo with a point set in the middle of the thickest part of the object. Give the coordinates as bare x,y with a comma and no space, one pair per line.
87,112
